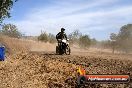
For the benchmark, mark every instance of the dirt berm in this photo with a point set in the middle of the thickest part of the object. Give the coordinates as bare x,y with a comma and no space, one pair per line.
47,70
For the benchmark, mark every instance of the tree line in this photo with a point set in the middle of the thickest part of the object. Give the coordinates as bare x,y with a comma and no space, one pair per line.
122,41
10,30
76,37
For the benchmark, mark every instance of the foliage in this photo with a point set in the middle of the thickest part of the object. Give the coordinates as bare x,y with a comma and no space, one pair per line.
113,36
84,41
123,40
94,42
51,38
105,44
5,6
74,36
10,30
43,37
113,42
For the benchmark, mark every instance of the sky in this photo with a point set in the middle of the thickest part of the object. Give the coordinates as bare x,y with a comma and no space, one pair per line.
97,18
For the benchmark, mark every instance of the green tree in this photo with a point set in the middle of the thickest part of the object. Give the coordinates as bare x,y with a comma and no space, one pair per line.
5,6
125,38
84,41
43,37
93,42
125,32
74,36
113,42
11,31
113,36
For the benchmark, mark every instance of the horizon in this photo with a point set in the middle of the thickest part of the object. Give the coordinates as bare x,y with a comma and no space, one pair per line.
96,18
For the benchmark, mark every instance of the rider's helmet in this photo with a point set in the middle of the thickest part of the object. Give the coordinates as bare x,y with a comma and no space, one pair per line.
62,29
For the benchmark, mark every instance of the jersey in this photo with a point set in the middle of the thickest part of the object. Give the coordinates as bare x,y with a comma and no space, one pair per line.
61,35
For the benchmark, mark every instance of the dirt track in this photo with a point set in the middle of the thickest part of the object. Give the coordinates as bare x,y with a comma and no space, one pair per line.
37,69
47,70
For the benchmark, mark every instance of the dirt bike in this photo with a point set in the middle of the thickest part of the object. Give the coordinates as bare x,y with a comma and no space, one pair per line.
63,47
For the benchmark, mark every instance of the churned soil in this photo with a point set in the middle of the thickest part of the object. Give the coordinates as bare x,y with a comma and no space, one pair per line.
47,70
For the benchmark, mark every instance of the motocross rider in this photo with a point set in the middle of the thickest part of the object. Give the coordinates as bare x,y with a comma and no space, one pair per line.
61,35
